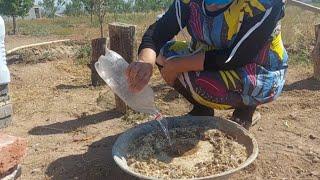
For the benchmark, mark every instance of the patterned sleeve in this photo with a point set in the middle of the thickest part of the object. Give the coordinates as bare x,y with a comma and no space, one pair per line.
164,29
253,35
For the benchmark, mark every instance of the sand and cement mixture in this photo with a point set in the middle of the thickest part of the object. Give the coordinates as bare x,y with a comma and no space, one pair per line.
196,152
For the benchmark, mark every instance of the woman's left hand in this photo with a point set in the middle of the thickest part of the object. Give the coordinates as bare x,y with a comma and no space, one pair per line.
169,72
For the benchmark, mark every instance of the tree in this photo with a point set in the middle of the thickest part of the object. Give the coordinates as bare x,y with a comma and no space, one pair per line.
89,7
100,9
151,5
15,8
74,8
51,6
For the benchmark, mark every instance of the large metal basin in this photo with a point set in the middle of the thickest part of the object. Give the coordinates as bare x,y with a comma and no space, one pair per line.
120,148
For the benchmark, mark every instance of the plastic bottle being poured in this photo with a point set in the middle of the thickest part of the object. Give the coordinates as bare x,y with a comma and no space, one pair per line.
111,69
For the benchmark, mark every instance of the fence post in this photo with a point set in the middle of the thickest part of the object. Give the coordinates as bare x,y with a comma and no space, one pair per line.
122,41
316,53
98,49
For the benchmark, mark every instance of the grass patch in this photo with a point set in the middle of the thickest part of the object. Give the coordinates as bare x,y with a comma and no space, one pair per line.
80,25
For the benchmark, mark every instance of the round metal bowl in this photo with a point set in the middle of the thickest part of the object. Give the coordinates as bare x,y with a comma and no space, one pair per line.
242,136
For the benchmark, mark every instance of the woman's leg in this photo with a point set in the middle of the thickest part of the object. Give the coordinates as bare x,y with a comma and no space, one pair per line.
208,90
198,109
217,90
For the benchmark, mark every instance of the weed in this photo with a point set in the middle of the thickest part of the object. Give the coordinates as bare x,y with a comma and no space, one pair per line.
83,55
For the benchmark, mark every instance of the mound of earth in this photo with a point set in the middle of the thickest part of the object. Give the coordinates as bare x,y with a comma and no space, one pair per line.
51,52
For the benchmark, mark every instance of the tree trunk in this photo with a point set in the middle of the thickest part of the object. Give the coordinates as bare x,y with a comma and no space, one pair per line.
98,49
91,17
122,41
101,29
14,21
316,54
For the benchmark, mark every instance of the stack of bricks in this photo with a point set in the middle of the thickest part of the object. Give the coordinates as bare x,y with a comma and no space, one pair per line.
12,151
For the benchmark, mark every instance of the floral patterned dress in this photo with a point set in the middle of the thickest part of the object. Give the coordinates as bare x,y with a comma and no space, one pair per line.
245,60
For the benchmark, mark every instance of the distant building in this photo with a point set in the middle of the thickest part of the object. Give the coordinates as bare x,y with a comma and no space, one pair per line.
36,12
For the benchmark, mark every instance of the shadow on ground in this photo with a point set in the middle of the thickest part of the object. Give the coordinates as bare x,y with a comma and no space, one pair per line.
97,163
306,84
171,94
71,125
68,87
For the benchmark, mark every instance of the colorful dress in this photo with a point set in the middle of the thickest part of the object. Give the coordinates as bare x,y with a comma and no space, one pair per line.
245,60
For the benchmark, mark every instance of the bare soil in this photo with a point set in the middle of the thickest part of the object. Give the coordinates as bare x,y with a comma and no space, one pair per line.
71,127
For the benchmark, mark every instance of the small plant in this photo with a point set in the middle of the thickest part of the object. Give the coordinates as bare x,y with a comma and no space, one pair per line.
83,55
84,51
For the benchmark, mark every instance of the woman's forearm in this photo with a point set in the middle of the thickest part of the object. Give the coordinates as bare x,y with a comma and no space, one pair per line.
189,63
148,55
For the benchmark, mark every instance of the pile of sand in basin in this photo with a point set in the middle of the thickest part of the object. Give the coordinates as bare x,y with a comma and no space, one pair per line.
196,152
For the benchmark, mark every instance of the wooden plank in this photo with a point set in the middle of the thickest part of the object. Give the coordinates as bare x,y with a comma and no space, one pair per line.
35,45
304,6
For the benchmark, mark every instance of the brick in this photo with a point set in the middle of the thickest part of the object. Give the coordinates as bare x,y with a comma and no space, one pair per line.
5,122
12,151
5,111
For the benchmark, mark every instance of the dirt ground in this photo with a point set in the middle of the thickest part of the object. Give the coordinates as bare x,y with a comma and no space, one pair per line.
71,127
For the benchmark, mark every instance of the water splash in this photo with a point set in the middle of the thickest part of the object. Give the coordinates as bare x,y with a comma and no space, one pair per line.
164,126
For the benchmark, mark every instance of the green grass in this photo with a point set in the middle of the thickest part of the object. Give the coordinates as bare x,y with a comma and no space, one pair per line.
44,27
80,25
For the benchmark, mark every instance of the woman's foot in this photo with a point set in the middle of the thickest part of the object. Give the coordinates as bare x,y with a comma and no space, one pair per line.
199,110
246,117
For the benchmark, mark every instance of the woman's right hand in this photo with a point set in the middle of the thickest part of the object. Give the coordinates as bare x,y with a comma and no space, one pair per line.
138,75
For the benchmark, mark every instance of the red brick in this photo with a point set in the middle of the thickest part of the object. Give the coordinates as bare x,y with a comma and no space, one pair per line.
12,150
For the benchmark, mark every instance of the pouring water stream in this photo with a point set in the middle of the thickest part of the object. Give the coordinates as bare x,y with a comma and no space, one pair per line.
159,118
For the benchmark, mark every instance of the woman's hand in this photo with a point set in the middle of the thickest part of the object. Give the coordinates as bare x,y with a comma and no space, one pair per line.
138,75
169,72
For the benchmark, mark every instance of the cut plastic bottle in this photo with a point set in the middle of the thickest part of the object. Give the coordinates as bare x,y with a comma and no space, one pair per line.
111,69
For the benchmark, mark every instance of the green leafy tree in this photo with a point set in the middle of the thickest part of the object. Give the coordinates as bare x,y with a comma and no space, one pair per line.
14,9
89,7
74,8
51,6
151,5
120,6
100,9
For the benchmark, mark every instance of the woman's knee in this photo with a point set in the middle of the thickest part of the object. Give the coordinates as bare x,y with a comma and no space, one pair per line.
174,48
160,61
